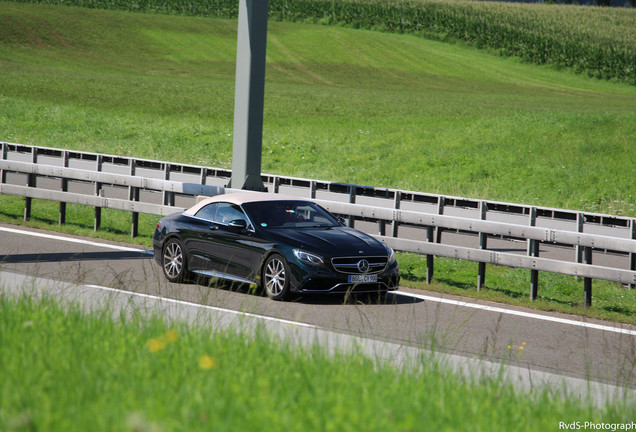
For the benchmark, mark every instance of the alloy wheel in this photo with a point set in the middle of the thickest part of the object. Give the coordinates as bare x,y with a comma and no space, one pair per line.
173,262
276,277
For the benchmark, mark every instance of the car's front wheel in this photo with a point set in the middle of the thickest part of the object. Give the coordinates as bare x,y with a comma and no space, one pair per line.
276,277
173,261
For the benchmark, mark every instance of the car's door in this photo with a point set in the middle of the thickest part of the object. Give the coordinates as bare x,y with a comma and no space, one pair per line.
229,242
197,238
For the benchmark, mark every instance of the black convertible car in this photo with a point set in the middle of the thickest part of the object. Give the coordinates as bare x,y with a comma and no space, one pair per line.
282,244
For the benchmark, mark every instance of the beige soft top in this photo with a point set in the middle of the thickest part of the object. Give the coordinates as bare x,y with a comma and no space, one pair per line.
242,197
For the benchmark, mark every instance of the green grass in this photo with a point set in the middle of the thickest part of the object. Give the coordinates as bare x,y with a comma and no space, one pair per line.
115,224
597,41
66,370
556,292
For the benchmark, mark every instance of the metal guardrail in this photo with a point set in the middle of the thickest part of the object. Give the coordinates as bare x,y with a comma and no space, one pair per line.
596,223
407,221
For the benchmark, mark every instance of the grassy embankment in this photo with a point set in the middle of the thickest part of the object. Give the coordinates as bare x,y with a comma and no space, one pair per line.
398,110
66,370
597,41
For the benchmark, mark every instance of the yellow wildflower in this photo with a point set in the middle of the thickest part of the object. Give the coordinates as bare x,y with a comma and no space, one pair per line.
171,336
157,344
207,362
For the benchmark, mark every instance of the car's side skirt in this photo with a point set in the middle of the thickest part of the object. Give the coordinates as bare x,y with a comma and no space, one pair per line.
221,275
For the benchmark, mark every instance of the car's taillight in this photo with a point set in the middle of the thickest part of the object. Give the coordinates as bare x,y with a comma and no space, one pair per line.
158,225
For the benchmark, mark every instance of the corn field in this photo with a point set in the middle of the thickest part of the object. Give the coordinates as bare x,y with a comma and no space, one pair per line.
600,42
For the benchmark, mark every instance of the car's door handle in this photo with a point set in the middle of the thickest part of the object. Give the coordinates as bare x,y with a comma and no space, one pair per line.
214,227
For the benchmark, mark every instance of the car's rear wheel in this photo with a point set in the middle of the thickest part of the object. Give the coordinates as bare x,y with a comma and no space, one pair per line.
173,261
276,277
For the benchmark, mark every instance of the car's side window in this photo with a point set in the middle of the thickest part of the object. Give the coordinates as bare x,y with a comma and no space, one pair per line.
227,212
208,212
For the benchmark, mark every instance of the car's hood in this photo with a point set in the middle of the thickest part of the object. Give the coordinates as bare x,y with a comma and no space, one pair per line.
337,241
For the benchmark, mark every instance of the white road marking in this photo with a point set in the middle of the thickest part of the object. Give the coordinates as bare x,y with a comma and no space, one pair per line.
75,240
614,329
201,306
500,310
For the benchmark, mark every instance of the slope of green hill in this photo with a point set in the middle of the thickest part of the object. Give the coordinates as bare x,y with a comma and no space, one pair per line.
341,104
598,41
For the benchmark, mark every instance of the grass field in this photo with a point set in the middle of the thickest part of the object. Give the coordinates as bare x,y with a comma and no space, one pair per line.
599,42
341,104
66,370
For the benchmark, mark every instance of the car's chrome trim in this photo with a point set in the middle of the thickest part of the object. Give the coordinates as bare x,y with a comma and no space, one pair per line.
377,264
221,275
250,225
353,288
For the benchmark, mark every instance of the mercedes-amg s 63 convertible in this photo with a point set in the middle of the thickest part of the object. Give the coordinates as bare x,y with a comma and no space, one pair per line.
282,244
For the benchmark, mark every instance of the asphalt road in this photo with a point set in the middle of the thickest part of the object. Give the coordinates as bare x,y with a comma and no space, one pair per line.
547,342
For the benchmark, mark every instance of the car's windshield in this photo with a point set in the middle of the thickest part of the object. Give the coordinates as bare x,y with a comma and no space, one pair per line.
289,214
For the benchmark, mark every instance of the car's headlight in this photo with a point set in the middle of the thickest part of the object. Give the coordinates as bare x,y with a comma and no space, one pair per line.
391,255
308,258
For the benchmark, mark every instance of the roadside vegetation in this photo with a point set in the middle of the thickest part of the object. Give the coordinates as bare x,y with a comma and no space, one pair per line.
64,369
400,111
598,41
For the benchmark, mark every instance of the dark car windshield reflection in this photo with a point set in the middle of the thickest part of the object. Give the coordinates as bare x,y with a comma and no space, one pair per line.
289,214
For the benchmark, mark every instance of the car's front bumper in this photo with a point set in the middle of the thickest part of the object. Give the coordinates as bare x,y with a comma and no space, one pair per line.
328,282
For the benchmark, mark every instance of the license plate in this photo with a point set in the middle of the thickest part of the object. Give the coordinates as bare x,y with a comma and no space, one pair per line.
363,278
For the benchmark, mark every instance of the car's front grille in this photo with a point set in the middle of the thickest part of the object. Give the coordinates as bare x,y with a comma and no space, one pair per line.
359,265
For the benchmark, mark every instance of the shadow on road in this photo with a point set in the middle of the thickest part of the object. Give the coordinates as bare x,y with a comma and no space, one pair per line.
74,256
356,299
317,299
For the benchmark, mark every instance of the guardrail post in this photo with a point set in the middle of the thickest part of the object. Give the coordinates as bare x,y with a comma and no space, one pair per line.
587,282
276,184
352,200
430,259
483,244
632,256
3,174
396,206
134,227
30,183
97,221
27,208
382,227
168,197
533,250
133,195
62,217
440,211
580,221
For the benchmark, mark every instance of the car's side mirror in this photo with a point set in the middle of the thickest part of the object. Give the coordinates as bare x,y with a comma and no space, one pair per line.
240,224
342,221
